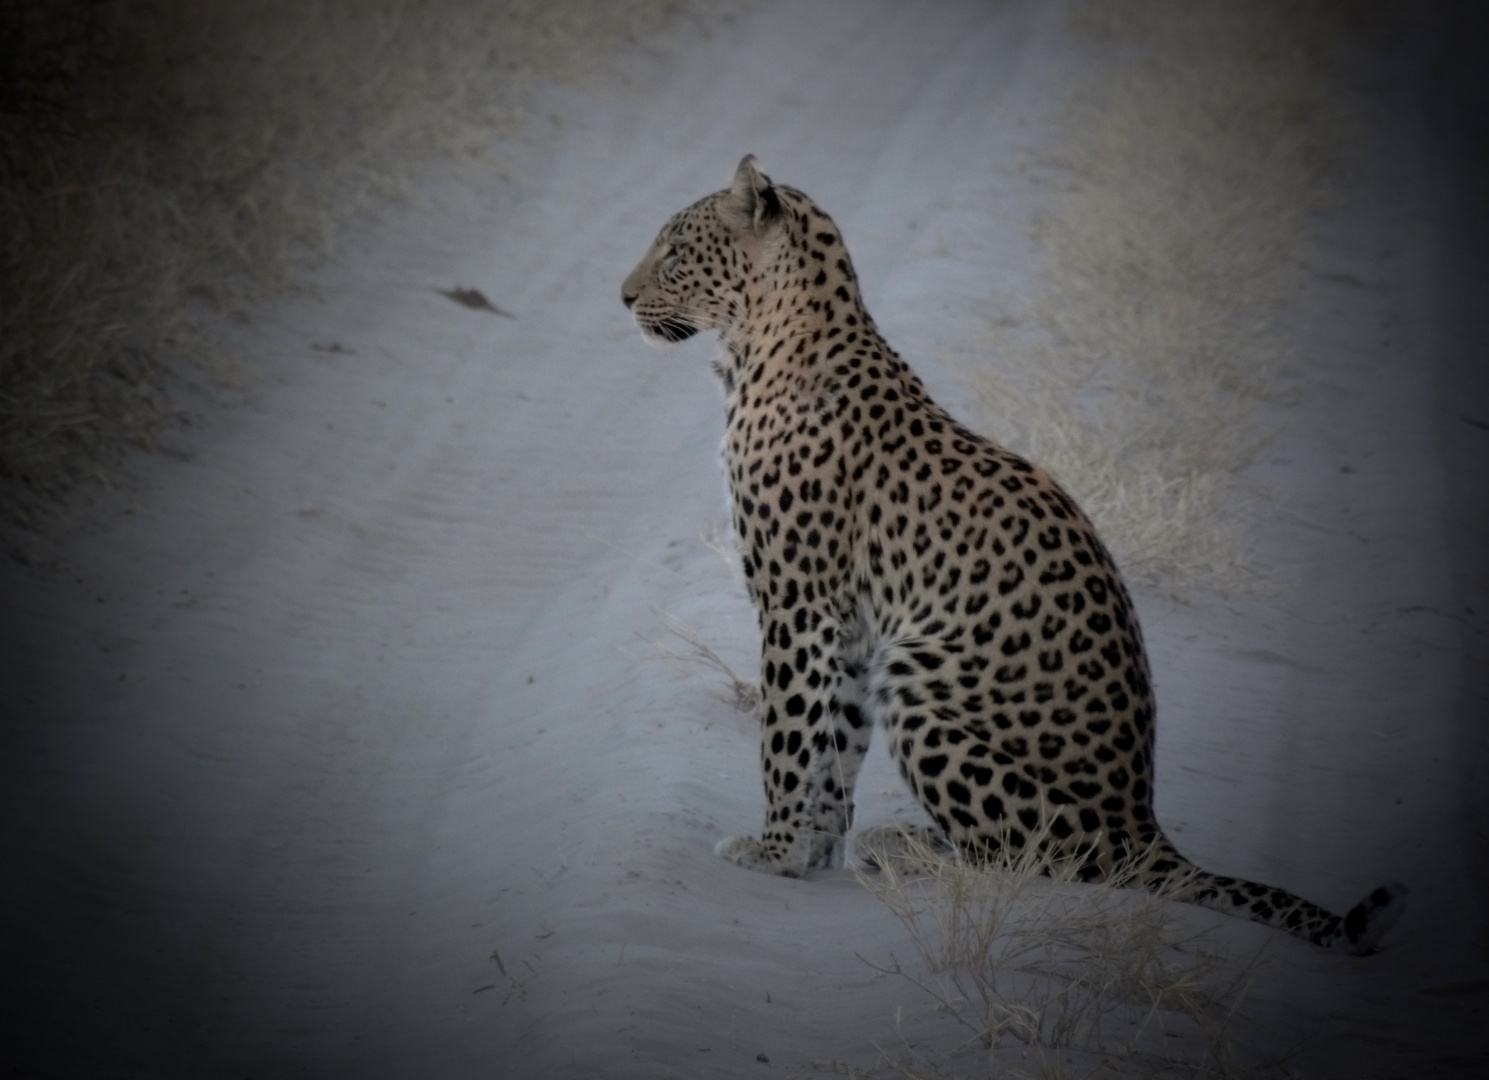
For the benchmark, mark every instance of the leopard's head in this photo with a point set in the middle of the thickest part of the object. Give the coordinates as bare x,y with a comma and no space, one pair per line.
696,275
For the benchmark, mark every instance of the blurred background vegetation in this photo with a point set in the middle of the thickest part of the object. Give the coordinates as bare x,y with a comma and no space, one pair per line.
163,162
1155,361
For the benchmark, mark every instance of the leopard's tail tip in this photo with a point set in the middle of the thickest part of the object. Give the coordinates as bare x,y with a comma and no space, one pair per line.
1371,919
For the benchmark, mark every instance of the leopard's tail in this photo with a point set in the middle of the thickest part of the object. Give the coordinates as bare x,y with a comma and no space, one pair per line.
1164,870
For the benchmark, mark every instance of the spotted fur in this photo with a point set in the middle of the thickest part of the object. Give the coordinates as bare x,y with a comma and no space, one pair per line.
910,573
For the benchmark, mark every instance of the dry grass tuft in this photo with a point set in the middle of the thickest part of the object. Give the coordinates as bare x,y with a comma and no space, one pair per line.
1041,972
1192,159
164,159
743,694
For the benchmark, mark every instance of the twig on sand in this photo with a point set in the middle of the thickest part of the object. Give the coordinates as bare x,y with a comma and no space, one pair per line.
474,299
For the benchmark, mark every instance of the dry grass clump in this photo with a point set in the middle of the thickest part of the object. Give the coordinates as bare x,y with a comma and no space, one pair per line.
1191,160
1045,974
165,157
743,694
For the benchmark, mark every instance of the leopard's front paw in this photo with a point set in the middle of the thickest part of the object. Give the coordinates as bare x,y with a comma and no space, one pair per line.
750,853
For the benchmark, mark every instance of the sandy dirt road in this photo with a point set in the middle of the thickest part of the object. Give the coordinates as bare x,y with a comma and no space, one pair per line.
343,744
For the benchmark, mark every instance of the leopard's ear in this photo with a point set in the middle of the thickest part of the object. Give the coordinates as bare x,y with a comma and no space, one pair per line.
751,202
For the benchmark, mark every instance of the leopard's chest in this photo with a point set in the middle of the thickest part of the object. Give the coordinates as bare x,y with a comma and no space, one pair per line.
794,461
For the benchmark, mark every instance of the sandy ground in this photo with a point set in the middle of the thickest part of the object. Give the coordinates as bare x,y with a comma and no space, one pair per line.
342,744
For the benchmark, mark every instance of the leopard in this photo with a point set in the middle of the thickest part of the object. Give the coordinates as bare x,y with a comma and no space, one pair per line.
911,575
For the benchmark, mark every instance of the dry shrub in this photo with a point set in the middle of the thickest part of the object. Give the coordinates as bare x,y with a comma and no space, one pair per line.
1043,973
1190,162
165,157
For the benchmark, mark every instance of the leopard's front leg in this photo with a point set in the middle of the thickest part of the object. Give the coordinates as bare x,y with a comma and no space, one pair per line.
812,742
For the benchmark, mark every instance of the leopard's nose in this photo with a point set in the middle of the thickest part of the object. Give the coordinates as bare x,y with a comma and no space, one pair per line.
627,298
